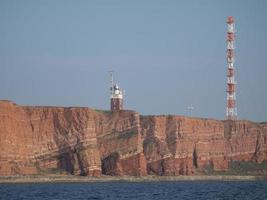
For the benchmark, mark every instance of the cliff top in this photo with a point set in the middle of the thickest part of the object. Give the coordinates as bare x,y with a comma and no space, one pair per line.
11,103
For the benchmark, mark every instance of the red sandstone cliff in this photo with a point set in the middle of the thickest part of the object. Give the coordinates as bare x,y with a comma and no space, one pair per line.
82,141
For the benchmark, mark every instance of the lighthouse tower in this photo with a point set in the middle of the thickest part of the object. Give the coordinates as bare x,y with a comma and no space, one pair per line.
116,95
231,111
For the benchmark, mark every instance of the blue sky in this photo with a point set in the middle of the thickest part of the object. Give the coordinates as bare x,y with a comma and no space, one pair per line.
166,54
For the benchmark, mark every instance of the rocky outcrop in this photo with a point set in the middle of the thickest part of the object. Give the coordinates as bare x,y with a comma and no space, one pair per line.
83,141
176,145
42,139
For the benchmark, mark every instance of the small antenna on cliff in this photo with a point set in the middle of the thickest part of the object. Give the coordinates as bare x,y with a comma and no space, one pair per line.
191,108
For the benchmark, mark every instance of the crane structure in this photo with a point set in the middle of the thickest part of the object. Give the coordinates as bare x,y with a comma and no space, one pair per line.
231,109
116,95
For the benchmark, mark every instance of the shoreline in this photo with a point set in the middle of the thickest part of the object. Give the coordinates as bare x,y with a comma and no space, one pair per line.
105,179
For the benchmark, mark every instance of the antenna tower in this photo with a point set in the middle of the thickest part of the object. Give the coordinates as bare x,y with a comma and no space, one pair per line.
231,110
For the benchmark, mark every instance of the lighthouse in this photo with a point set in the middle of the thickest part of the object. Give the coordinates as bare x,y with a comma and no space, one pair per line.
116,95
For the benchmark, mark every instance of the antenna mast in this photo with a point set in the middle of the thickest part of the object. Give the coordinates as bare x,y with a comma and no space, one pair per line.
231,110
111,82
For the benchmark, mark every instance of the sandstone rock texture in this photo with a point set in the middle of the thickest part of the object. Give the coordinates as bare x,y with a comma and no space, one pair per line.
83,141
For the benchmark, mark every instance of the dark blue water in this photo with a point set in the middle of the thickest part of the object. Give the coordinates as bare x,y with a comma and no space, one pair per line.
121,190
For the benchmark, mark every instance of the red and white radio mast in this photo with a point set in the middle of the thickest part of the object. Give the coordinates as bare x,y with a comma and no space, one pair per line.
231,110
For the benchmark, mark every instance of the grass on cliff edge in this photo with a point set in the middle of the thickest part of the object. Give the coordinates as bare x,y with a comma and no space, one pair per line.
127,135
103,111
240,168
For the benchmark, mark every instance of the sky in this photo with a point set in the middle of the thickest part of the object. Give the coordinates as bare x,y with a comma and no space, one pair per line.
166,54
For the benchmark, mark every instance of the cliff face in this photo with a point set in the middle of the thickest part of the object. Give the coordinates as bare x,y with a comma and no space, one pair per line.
39,139
176,145
82,141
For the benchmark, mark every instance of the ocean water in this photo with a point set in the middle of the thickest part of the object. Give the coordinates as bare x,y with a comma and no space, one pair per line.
214,190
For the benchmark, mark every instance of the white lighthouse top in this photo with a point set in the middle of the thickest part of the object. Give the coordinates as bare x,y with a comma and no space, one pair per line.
116,92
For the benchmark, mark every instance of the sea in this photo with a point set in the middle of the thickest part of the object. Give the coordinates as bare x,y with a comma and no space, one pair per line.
214,190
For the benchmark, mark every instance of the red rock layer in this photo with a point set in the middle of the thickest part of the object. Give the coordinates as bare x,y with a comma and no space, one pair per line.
83,141
48,139
179,145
